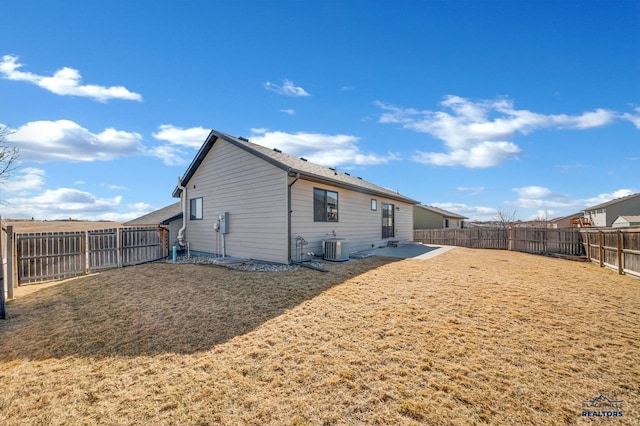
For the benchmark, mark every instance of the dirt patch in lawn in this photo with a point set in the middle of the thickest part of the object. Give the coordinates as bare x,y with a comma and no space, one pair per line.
468,337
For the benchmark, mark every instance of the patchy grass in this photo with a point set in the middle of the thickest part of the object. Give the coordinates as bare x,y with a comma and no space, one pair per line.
469,337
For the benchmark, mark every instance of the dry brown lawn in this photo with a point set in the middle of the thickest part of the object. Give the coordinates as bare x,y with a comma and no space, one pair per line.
469,337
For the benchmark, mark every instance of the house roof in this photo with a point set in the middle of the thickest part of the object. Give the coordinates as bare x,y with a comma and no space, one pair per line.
629,218
615,201
162,216
292,165
442,212
561,218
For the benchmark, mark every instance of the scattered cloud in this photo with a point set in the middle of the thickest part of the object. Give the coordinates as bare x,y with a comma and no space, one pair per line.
113,187
471,190
62,203
479,134
328,150
634,118
544,199
65,81
64,140
178,138
192,137
25,181
288,88
288,111
474,213
170,155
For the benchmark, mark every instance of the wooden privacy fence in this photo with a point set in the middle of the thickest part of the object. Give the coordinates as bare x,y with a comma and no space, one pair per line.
528,240
37,257
617,249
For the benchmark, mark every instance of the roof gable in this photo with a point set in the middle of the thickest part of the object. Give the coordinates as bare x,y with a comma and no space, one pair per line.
442,212
293,165
612,202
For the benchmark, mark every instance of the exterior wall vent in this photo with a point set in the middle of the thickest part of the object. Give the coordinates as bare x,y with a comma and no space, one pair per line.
336,249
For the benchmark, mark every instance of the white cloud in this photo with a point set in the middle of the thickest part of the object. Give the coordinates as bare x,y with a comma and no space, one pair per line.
288,88
192,137
289,111
25,181
328,150
474,213
472,190
485,154
479,133
65,81
172,153
64,140
633,118
544,199
62,203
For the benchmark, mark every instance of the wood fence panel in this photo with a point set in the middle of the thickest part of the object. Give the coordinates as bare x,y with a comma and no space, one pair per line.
529,240
57,255
140,245
631,254
617,249
103,248
50,255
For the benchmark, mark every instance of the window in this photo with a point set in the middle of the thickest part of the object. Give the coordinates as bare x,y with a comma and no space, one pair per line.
325,205
195,208
446,223
374,204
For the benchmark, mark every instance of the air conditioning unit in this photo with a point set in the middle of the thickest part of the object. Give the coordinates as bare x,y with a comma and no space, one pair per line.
336,249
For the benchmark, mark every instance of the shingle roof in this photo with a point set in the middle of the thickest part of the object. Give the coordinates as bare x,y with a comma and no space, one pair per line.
630,218
161,216
293,165
443,212
615,201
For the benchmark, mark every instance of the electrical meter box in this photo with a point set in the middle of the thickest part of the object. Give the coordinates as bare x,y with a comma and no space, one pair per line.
224,223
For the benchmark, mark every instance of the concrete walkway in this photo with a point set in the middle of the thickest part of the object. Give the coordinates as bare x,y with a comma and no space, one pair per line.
405,251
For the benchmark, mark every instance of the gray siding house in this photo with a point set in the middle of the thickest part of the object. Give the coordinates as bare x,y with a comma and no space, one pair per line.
604,214
263,202
169,217
428,217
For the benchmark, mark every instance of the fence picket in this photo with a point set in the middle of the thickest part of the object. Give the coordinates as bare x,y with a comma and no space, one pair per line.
56,255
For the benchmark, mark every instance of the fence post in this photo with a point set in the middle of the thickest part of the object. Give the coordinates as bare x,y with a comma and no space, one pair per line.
3,305
601,247
12,261
619,252
588,245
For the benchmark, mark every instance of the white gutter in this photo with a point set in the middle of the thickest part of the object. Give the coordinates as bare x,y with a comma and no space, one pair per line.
183,204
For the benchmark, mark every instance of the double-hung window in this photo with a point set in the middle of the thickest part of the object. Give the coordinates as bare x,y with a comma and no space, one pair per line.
325,205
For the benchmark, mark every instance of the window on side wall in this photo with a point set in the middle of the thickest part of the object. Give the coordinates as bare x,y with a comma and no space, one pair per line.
325,205
195,208
374,204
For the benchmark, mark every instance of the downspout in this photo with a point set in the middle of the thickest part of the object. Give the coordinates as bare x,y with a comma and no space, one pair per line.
183,204
289,213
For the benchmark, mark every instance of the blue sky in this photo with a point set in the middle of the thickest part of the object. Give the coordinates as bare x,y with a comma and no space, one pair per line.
530,107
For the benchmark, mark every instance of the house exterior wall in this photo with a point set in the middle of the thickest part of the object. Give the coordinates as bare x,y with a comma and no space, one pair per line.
173,227
606,215
253,192
426,219
356,221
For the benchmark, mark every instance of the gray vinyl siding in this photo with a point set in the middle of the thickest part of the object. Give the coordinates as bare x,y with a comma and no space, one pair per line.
426,219
356,221
253,192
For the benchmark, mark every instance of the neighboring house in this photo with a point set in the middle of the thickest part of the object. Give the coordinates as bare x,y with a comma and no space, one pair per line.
626,221
263,202
604,214
169,217
571,221
428,217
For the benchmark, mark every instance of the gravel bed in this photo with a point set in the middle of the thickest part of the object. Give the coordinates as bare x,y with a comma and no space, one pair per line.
247,265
